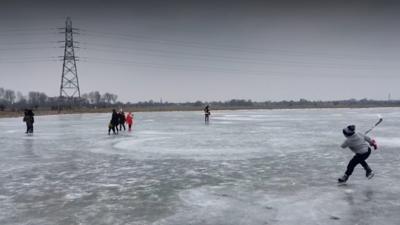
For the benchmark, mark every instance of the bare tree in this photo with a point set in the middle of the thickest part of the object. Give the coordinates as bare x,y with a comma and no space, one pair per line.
107,97
85,95
33,97
2,91
20,96
9,96
114,98
95,97
21,99
42,98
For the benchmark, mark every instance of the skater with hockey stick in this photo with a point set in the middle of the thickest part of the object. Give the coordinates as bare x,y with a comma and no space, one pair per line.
358,143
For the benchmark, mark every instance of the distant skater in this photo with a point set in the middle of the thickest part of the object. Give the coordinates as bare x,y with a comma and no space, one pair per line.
113,123
129,120
121,120
29,120
207,114
358,143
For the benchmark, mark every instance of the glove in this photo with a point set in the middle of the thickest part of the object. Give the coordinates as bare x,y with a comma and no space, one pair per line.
374,144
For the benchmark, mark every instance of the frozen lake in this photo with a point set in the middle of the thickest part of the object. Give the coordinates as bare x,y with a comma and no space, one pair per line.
246,167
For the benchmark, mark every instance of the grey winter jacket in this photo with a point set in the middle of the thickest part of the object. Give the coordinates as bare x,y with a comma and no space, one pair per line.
357,143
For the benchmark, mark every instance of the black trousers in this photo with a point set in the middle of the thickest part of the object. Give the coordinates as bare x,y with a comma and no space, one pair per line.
359,159
113,128
29,128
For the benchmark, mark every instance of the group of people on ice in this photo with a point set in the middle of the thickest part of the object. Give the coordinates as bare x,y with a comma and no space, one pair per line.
118,120
357,142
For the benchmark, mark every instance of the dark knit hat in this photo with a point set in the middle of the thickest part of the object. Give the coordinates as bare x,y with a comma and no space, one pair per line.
349,130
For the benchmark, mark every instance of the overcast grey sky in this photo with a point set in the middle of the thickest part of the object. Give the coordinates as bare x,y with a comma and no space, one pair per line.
207,50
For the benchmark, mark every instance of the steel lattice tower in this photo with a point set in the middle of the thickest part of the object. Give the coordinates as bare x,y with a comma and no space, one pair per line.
69,79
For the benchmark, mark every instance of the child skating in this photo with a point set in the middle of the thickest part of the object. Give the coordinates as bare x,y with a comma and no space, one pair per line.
129,120
359,144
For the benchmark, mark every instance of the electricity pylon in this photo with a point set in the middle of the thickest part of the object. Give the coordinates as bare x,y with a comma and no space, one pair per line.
69,89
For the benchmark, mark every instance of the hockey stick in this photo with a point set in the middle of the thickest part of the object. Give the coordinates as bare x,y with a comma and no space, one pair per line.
375,125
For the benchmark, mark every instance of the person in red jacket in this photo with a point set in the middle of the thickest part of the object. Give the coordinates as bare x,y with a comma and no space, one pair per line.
129,120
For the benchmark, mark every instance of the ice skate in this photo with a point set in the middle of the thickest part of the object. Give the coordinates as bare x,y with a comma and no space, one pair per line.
343,179
370,174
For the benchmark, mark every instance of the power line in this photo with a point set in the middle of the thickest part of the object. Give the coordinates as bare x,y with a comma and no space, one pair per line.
26,48
227,48
207,57
29,43
212,46
183,43
193,55
30,57
27,61
213,69
26,29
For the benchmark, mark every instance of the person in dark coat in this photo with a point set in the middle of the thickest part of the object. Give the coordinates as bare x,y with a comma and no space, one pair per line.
207,114
29,120
113,123
121,120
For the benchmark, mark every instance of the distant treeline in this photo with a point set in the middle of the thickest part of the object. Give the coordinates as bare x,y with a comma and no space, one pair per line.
15,101
248,104
95,101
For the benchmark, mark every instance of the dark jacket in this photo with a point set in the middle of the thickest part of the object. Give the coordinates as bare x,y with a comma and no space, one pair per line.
207,111
114,119
121,117
28,117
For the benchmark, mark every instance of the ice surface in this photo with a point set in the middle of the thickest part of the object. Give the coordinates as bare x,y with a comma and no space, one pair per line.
246,167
